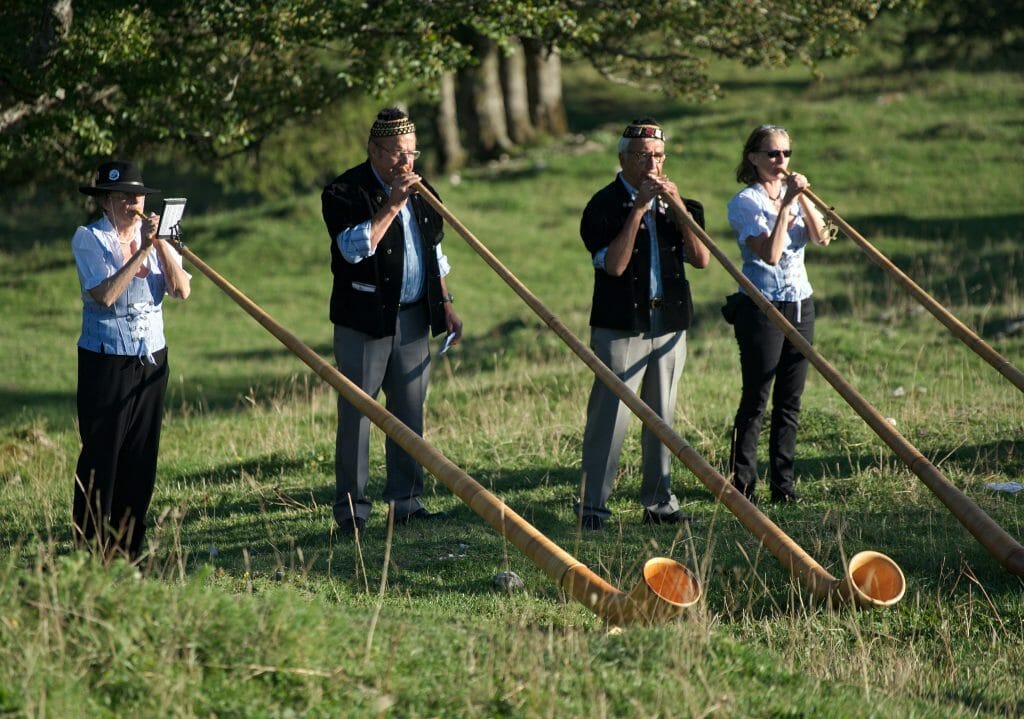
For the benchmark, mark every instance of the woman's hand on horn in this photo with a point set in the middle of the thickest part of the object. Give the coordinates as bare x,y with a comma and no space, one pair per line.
795,184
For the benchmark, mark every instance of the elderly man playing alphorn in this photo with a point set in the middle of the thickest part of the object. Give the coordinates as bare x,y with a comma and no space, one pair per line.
389,295
640,313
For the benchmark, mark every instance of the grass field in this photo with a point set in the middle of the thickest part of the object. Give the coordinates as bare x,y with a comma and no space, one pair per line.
251,606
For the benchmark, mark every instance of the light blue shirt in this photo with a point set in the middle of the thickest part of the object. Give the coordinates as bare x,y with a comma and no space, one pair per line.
354,243
134,324
652,231
752,213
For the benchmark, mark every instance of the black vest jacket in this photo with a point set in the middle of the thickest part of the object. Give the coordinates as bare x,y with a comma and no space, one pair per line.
623,303
365,295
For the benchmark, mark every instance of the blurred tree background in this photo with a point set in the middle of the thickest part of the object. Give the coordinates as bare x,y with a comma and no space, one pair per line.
249,99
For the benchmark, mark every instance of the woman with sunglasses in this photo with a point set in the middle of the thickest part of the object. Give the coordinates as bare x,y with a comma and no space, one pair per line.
773,221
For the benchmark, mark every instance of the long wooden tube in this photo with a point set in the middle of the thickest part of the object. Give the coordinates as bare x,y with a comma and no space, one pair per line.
1006,550
665,588
955,326
871,579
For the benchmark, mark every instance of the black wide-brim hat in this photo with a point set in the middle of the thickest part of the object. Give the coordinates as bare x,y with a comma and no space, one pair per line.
117,177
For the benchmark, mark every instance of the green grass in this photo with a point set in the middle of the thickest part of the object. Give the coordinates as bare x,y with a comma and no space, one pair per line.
251,606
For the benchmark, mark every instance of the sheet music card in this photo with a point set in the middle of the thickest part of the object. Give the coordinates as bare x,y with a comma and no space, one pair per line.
170,216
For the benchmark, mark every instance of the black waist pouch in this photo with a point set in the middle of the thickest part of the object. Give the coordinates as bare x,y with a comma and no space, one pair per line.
731,306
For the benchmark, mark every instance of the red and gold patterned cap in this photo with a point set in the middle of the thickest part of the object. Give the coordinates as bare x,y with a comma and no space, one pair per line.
646,129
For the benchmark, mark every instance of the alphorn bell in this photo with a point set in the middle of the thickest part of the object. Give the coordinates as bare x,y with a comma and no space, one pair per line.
872,579
1006,550
665,588
955,326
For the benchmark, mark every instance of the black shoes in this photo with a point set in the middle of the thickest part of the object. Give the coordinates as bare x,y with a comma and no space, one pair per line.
350,526
786,498
595,522
420,515
676,517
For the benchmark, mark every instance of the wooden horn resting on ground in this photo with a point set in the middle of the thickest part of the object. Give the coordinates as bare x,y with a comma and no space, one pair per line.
1006,550
955,326
872,579
663,592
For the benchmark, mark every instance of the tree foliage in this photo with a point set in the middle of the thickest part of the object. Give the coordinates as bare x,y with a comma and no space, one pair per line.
983,31
666,45
81,80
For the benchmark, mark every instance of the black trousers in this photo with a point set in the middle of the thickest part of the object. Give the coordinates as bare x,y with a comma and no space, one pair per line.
120,411
766,356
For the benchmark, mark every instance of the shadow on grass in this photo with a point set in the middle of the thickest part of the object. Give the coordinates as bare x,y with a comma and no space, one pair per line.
1006,456
263,468
988,268
988,272
202,394
978,702
16,406
270,531
968,232
459,554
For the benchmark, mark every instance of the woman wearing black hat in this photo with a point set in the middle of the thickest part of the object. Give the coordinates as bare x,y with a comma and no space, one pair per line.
122,361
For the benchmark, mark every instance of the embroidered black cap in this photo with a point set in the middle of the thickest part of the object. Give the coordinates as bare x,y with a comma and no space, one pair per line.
391,122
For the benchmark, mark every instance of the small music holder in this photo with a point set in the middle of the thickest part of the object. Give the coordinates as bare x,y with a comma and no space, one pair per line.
170,216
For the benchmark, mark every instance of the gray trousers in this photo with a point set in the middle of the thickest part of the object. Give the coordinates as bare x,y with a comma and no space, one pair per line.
400,365
654,363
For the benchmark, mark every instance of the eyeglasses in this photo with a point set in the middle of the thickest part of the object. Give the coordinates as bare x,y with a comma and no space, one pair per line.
645,156
776,154
409,155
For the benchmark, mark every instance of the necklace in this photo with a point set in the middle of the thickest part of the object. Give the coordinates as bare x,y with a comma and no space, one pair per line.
773,199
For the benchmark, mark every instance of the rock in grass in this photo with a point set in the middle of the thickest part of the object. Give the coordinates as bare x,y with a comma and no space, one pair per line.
508,581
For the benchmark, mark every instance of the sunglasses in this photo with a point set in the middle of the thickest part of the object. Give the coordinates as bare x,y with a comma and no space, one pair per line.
776,154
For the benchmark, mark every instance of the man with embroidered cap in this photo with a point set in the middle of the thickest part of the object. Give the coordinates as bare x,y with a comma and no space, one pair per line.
634,231
389,295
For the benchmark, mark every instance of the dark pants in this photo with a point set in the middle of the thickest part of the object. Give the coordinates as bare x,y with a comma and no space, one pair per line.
766,356
120,410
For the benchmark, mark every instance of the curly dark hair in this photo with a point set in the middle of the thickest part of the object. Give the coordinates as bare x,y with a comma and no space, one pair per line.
391,113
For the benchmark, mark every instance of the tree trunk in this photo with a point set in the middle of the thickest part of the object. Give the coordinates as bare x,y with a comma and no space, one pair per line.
480,91
544,74
451,153
517,101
